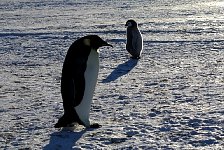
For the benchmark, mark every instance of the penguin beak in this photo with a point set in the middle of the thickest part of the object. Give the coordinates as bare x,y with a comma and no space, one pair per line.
106,44
109,45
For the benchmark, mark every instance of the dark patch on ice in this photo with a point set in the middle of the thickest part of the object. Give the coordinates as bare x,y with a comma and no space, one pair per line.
122,97
108,32
151,84
23,63
21,34
203,142
3,110
118,40
154,110
194,123
184,41
165,129
121,70
152,114
118,139
63,139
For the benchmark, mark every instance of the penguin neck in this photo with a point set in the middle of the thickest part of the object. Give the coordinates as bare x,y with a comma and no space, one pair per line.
95,50
133,28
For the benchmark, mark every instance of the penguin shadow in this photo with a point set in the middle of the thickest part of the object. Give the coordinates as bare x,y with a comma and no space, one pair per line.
64,139
121,70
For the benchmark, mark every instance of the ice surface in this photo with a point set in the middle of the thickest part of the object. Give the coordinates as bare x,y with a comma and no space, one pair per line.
172,98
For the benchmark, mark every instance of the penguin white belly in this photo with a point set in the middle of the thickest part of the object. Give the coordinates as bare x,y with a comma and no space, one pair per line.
91,74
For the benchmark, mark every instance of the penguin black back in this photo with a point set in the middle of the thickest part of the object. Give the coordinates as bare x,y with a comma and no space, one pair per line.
134,43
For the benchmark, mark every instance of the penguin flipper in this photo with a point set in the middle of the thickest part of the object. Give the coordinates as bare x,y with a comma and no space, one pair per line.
79,89
67,92
137,42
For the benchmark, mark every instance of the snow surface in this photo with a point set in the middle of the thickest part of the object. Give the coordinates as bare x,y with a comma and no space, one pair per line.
172,98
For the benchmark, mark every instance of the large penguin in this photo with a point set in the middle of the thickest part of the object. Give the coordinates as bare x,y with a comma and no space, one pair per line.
78,81
134,43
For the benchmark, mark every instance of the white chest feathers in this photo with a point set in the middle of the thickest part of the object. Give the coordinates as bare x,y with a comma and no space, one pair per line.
91,74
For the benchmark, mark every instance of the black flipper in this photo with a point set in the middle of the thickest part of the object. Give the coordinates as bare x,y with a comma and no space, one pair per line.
79,91
67,92
71,98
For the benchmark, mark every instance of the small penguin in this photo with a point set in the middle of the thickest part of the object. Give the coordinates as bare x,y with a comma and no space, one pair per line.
134,43
78,81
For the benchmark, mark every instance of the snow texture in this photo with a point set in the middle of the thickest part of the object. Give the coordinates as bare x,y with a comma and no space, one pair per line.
172,98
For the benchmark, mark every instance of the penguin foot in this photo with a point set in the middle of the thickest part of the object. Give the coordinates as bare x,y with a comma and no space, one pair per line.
70,127
64,122
95,125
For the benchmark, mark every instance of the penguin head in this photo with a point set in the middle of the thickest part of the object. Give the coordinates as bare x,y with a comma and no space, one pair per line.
94,41
131,24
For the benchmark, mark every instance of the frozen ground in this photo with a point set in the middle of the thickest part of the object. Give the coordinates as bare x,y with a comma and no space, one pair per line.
172,98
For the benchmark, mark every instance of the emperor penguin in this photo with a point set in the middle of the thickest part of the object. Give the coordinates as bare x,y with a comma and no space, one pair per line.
78,81
134,43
